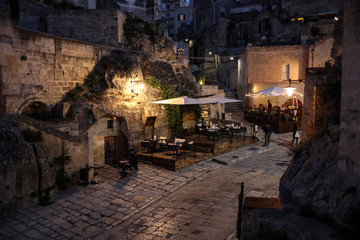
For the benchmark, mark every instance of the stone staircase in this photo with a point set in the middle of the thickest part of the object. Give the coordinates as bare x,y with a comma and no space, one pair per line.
234,108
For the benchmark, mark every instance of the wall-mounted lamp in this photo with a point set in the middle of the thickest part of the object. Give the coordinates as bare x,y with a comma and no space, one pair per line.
136,86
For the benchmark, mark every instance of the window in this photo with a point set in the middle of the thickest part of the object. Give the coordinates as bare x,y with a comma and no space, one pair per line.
180,51
110,124
286,71
181,17
264,25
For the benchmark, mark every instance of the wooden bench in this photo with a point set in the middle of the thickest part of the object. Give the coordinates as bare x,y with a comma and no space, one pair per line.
259,202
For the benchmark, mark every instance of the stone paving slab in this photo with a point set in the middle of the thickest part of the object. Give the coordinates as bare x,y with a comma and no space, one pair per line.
89,212
206,208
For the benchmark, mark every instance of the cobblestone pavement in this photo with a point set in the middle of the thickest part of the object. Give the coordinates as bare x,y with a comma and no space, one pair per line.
198,202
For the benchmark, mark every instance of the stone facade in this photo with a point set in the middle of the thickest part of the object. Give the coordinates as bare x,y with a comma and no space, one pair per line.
103,27
40,67
262,67
326,174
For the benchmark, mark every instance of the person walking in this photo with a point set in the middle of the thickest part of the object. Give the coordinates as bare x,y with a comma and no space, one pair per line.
268,131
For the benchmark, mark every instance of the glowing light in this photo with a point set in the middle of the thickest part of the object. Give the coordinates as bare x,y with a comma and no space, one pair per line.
210,53
289,90
231,58
336,18
141,86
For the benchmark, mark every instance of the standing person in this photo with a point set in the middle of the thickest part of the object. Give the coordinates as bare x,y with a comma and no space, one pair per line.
297,136
269,105
268,131
203,122
294,130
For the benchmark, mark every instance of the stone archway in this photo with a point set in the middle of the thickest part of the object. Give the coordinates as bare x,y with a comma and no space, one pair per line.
36,109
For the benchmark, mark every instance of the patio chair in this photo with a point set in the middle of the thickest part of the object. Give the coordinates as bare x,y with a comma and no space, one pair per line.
224,132
188,148
213,133
202,132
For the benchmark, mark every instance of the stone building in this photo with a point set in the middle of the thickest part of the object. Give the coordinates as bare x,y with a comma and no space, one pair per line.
41,74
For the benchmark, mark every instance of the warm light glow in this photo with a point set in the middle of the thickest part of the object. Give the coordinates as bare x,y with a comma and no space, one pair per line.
289,90
141,86
336,18
191,43
210,53
231,58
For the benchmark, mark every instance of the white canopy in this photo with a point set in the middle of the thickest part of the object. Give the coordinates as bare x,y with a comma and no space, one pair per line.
184,101
273,91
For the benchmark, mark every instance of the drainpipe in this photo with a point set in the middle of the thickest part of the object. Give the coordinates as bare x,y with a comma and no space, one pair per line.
312,57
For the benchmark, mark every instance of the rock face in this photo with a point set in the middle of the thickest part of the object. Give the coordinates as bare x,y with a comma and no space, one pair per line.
315,178
24,175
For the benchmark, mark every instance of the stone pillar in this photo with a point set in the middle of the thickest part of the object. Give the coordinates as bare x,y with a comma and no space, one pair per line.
90,156
350,88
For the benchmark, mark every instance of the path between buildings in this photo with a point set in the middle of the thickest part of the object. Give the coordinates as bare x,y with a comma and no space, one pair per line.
198,202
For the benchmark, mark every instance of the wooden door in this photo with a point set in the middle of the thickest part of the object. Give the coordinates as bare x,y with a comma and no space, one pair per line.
110,150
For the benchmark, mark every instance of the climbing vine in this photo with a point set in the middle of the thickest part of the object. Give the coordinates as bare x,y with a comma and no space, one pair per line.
174,114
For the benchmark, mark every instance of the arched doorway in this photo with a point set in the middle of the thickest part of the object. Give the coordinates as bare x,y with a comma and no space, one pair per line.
295,107
36,110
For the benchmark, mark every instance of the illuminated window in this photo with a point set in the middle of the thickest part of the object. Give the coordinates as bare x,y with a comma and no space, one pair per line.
286,72
181,17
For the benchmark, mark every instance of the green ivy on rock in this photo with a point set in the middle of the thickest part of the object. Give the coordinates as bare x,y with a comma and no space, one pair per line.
174,114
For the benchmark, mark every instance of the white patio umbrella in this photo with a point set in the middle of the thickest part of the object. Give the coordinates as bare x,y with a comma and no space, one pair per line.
221,99
184,101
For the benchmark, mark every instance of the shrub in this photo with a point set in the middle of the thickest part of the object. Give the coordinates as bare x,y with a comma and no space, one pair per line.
75,94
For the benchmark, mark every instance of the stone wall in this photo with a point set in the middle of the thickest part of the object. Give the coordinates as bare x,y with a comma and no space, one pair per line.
265,64
95,26
305,7
322,53
350,88
40,67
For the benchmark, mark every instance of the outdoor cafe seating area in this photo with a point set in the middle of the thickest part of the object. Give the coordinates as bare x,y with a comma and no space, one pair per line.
215,137
281,121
